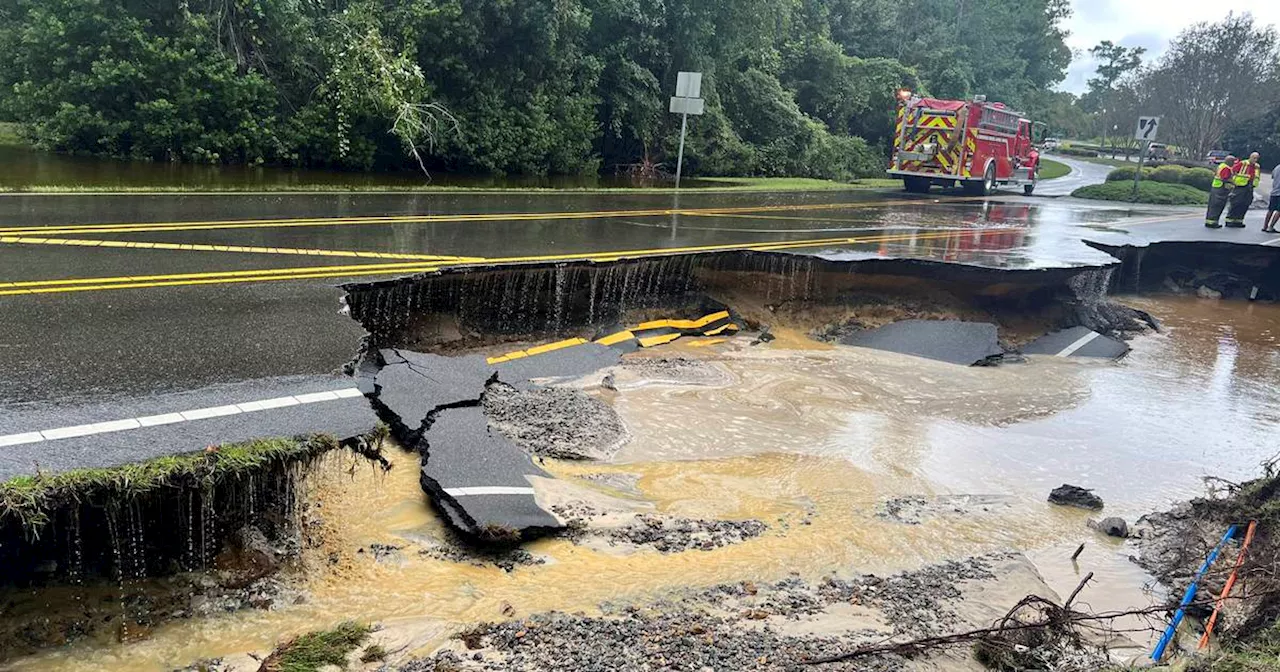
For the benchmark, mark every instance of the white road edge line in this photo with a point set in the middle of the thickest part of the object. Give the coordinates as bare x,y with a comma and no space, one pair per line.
1080,343
488,490
183,416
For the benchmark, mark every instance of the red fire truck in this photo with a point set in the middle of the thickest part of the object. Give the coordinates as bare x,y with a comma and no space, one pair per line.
978,144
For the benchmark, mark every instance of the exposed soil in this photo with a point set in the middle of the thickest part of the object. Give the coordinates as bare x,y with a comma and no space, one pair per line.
563,423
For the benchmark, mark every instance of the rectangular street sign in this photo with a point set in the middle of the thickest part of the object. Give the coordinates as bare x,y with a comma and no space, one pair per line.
689,85
694,106
1147,127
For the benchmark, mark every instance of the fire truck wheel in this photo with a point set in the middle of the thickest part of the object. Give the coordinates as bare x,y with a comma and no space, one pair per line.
1029,189
989,180
916,185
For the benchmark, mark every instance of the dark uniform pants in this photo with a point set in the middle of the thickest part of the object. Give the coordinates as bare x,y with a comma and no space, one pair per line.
1241,199
1218,198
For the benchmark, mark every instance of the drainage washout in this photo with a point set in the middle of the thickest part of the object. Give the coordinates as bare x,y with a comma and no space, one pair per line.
465,309
1208,269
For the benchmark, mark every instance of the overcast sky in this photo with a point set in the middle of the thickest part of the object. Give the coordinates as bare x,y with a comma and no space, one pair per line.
1142,23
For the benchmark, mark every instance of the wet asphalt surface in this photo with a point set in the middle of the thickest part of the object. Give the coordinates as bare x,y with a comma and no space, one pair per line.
96,315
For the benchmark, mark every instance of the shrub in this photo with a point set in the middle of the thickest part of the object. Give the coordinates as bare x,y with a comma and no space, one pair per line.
1157,193
1168,174
1125,174
1073,151
1200,178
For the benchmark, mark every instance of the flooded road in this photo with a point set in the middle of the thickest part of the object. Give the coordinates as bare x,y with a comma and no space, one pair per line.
813,442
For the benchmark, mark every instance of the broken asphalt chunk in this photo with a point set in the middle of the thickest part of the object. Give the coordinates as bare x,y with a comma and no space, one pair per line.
480,479
564,364
411,385
1077,342
965,343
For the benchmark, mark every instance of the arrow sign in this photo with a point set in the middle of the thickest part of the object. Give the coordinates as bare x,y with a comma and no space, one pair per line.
1147,129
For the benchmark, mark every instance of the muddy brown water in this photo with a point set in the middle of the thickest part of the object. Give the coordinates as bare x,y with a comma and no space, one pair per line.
819,434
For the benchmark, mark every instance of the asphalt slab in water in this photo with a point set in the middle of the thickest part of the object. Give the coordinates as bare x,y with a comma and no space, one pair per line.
481,474
1077,342
952,341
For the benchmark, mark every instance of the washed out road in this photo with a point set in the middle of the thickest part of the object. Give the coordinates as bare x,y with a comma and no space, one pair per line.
121,297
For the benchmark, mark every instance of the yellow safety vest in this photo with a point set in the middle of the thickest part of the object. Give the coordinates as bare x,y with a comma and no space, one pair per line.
1242,178
1217,175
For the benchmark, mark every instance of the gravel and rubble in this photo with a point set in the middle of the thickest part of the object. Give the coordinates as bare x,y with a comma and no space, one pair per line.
734,626
916,509
506,559
674,370
562,423
665,534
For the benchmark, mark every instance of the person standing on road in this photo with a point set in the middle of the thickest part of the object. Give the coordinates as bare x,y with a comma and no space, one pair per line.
1223,183
1273,206
1246,180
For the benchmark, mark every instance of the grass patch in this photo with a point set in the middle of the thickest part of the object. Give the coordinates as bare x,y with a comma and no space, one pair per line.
1156,193
31,499
314,650
11,134
373,653
1050,169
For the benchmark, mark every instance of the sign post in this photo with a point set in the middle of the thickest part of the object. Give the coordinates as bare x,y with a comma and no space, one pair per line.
688,100
1145,135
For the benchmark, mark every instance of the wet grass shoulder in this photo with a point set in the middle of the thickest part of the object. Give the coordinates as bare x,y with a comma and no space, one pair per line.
317,650
1050,169
31,499
1155,193
707,185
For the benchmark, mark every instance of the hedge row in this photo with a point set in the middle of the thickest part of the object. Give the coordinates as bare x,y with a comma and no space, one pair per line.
1072,151
1200,178
1157,193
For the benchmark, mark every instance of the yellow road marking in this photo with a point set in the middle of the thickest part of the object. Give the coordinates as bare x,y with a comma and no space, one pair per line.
455,218
215,277
613,339
196,247
707,342
537,350
659,340
358,269
720,330
684,324
204,281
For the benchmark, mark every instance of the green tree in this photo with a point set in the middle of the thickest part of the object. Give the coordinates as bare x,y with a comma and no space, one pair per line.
1214,76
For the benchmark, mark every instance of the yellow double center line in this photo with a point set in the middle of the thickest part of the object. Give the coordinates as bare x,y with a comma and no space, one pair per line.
199,247
148,227
364,270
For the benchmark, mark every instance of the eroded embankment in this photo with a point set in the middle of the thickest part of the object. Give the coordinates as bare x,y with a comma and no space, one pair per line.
475,307
122,539
1209,269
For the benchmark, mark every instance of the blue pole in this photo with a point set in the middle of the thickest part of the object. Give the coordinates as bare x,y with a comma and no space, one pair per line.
1178,615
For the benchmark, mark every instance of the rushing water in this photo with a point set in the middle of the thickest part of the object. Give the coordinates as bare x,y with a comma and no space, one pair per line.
821,435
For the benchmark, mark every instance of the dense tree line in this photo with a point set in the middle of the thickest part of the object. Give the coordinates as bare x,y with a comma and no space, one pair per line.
794,87
1217,86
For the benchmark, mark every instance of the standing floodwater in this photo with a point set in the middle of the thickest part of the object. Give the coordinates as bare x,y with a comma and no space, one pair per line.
852,460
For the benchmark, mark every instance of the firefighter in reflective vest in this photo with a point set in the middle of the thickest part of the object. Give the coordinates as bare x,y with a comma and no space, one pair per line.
1246,179
1223,183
